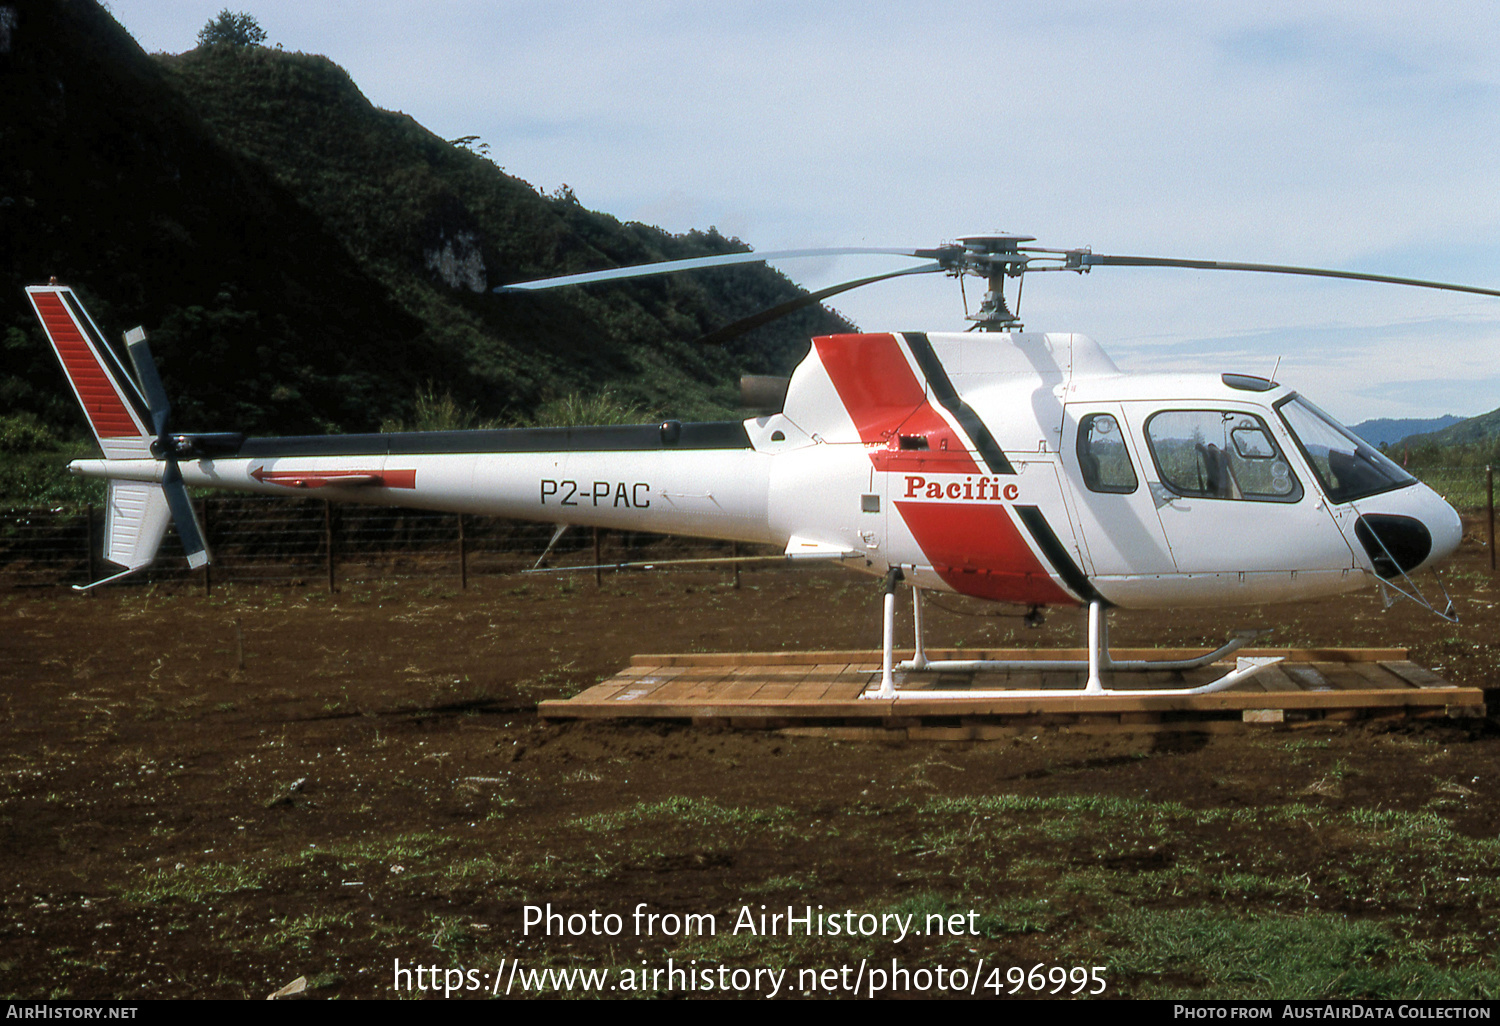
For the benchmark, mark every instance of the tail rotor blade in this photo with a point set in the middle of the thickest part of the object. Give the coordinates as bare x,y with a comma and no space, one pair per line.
178,500
151,386
184,516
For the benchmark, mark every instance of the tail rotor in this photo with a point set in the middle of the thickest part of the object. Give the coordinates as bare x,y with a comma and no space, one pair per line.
167,448
132,424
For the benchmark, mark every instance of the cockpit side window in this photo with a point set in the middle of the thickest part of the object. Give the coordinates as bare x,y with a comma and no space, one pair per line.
1347,466
1220,454
1102,457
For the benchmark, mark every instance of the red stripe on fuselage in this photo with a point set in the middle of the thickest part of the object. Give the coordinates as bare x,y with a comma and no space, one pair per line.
106,411
976,548
882,395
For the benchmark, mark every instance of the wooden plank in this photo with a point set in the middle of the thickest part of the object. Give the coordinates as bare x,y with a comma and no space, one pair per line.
772,700
824,680
850,684
846,733
1176,727
1343,655
704,686
963,732
728,688
1416,676
745,688
1307,678
1264,716
775,689
754,658
1339,677
602,691
1274,678
637,686
1059,679
1376,676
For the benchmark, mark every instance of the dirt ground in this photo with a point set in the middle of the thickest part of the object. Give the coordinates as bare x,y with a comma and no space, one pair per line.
214,797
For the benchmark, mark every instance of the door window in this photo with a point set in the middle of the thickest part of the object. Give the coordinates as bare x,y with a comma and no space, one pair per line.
1220,454
1103,459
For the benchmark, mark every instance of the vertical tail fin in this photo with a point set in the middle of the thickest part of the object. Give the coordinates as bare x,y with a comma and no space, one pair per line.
114,408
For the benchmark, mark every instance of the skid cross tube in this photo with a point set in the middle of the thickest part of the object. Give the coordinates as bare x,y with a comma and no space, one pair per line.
1096,664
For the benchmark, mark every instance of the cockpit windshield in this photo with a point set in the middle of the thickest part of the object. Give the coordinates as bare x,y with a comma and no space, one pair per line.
1349,467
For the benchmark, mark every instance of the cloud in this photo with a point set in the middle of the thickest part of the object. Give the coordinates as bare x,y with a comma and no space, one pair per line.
1317,134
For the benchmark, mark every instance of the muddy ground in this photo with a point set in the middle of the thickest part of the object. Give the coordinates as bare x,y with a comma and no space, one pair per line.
214,797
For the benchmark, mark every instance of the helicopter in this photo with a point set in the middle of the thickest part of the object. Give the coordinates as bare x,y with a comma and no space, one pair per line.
1005,465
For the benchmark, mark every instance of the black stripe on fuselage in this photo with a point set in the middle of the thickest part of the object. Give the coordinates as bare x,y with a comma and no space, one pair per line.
622,438
942,388
1052,548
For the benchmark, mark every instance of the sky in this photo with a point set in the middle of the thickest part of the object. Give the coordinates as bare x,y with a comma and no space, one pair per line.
1358,136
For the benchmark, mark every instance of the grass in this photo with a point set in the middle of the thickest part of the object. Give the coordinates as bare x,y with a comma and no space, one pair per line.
1212,956
692,812
197,883
1176,901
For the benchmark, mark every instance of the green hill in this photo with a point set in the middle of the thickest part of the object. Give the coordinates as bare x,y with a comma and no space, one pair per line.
1453,460
1480,430
306,262
1388,431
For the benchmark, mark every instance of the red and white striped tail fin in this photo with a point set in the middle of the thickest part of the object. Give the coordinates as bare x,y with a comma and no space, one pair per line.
138,511
109,399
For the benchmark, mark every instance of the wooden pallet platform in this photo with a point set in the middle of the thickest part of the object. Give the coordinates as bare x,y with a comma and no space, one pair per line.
818,693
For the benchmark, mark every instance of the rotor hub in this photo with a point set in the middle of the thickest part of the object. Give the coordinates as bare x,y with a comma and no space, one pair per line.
994,258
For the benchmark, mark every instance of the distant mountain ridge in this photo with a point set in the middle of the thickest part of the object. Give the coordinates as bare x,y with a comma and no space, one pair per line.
1484,428
1387,431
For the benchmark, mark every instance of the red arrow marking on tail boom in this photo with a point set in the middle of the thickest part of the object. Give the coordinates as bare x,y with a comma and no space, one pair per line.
341,478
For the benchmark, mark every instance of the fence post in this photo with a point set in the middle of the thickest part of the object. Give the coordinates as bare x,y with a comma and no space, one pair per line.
208,583
328,540
463,556
1489,472
89,520
598,561
734,556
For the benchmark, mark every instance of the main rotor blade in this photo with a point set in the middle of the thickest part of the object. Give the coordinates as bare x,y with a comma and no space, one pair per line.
694,263
1100,260
754,321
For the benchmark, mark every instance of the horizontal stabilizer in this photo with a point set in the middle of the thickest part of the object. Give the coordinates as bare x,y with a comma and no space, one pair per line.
805,548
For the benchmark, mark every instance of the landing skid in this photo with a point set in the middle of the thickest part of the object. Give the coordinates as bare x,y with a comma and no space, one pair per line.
1099,660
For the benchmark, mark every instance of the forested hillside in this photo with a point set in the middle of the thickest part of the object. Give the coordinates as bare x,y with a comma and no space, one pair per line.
305,262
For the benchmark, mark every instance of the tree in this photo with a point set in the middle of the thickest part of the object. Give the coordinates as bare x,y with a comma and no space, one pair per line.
232,30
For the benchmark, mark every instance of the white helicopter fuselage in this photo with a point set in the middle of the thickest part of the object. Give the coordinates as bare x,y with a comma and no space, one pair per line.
1021,468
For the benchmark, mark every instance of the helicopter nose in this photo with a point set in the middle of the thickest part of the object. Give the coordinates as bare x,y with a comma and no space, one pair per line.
1419,530
1445,526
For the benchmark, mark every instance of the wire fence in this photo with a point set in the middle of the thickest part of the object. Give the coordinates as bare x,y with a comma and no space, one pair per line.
310,542
256,539
1466,488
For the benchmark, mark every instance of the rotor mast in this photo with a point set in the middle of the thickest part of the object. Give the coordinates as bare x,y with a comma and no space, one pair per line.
995,258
